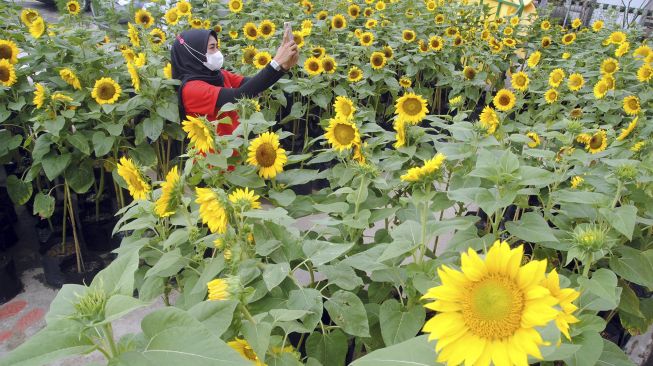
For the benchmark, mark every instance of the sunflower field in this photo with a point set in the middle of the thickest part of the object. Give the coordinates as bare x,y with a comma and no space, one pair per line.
435,182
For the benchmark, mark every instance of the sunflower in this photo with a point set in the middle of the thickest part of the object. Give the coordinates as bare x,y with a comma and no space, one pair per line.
520,81
266,28
322,15
489,119
610,80
245,198
489,311
504,100
609,66
313,66
264,152
576,181
600,89
199,133
250,31
597,142
138,187
354,11
564,296
106,91
405,82
451,31
534,59
371,23
218,289
556,77
307,26
546,42
261,59
249,53
367,12
388,52
344,107
638,146
329,64
244,349
576,82
400,128
644,73
431,5
430,166
535,139
299,38
508,31
212,211
172,16
169,200
642,51
408,35
576,23
597,25
354,74
132,33
422,46
469,72
380,6
27,16
576,113
439,18
485,35
61,97
626,131
133,74
377,60
184,8
411,108
69,77
436,43
139,61
8,51
622,49
157,37
495,45
617,37
73,7
144,18
457,41
37,27
631,105
338,22
342,133
366,39
39,95
235,6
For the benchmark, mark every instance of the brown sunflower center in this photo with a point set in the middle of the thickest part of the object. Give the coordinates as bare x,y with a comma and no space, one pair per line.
377,60
596,141
504,100
251,31
344,133
457,41
412,106
266,155
367,38
546,42
435,43
249,56
72,7
520,80
313,66
345,108
337,23
493,307
236,5
353,12
470,73
633,104
576,113
106,91
353,74
266,29
610,67
5,52
4,74
183,8
144,19
172,16
328,65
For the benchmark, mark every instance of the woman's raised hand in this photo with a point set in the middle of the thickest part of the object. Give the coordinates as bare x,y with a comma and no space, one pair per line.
287,54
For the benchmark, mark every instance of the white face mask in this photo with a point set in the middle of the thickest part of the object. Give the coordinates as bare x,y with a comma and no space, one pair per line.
214,61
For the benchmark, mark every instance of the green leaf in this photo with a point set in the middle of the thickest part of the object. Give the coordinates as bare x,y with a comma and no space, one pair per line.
274,274
258,337
413,352
19,191
407,236
283,198
212,267
329,349
297,176
574,196
175,338
121,305
215,315
80,142
589,352
537,177
307,299
347,311
169,111
532,228
321,252
102,143
612,355
168,265
398,325
338,207
621,218
633,265
58,340
43,205
54,164
600,292
341,275
152,127
63,304
244,176
118,277
80,177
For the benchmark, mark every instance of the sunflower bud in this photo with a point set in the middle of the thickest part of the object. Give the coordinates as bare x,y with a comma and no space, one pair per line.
90,306
626,173
590,237
574,126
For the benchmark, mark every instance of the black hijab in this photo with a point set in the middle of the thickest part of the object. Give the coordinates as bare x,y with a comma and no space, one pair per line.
185,63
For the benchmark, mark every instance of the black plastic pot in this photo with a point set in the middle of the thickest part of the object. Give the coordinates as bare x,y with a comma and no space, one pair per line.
10,284
97,234
7,234
6,205
60,268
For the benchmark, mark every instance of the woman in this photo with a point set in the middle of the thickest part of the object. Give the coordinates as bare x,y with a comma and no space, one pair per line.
206,87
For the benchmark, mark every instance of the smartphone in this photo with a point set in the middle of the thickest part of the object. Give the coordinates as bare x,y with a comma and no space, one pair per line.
287,27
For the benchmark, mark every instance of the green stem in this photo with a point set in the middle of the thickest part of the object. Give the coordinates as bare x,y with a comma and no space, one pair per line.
246,313
108,333
587,265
